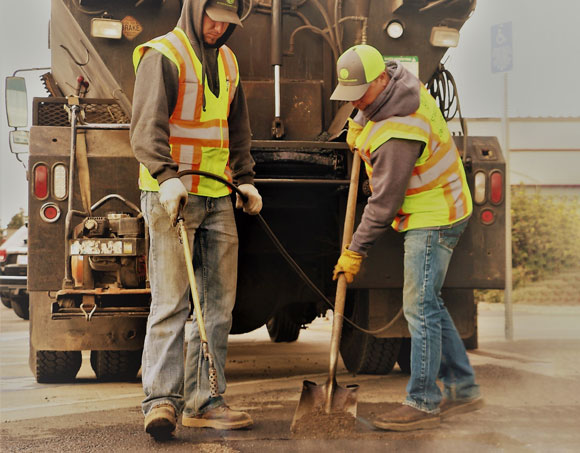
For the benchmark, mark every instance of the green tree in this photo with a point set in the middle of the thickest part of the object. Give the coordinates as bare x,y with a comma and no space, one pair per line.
17,220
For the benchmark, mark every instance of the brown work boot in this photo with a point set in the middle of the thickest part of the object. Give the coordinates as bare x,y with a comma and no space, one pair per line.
407,418
447,408
160,421
221,417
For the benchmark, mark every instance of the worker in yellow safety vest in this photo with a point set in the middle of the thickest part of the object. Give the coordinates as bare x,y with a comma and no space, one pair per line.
419,188
190,113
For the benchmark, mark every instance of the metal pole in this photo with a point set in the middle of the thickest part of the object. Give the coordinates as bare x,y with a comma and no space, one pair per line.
276,57
509,321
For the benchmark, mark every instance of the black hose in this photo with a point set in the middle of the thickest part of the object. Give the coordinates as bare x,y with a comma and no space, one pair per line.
443,88
293,264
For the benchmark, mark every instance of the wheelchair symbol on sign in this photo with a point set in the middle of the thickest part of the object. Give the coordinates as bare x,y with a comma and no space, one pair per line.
500,38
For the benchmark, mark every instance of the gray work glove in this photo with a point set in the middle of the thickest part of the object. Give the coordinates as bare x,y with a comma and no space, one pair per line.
254,204
172,194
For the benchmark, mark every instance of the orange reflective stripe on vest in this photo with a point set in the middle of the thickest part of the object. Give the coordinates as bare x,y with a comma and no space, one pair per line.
437,194
199,139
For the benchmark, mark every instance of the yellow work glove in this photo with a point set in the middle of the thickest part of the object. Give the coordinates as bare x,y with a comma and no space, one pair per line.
354,130
349,264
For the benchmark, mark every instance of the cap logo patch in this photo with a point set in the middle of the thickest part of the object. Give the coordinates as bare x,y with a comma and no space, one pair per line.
226,3
344,75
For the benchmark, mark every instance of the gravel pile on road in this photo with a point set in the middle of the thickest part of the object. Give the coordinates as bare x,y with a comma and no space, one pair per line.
320,425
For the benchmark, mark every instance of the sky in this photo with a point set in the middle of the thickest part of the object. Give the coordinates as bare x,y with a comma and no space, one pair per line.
543,81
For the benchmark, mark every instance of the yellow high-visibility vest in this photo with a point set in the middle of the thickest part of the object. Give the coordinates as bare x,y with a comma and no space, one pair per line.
437,194
199,139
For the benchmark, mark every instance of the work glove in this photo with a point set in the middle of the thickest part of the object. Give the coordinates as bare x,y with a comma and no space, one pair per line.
254,204
348,264
354,130
172,196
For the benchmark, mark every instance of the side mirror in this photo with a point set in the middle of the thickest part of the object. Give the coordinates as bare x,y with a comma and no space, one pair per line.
16,102
19,141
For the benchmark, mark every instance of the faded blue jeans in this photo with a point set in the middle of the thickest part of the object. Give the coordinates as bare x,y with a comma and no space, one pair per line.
213,238
436,347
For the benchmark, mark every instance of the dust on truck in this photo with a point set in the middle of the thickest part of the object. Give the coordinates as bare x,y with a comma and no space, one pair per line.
88,242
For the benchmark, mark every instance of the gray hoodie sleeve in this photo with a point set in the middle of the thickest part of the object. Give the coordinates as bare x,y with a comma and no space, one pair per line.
155,95
241,161
393,164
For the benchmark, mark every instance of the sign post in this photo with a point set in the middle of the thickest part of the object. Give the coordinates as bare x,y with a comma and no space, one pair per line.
502,61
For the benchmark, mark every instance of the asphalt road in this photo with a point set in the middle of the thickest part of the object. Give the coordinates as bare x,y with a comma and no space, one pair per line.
530,386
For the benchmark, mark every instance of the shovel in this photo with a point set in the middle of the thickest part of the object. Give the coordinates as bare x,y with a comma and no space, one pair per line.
331,397
213,381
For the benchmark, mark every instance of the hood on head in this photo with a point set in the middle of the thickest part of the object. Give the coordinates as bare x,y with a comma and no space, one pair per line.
191,19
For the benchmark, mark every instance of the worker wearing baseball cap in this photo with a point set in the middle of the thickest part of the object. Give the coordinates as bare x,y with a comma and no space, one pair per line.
177,126
223,11
418,188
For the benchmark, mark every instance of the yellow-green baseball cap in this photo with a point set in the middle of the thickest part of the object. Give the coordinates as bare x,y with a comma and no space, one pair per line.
357,68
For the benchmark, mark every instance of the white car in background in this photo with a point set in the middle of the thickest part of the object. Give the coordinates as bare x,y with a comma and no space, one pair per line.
13,272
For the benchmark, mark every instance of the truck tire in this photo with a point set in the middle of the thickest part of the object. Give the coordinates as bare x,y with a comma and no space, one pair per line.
404,358
56,366
20,306
472,342
116,365
363,353
282,328
6,301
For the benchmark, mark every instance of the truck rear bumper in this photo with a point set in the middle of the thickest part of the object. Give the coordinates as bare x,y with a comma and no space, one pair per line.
9,282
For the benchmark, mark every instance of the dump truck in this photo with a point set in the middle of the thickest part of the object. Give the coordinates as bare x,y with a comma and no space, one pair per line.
88,243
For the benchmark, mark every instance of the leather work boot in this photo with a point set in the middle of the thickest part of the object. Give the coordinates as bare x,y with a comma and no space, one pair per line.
407,418
447,408
221,417
160,421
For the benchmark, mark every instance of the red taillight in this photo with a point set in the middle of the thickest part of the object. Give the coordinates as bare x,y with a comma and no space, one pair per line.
487,216
40,181
49,212
496,188
2,255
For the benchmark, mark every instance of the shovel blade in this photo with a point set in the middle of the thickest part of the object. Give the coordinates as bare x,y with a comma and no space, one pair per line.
313,398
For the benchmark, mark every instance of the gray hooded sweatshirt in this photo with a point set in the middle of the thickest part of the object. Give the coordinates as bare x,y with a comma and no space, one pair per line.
155,96
393,161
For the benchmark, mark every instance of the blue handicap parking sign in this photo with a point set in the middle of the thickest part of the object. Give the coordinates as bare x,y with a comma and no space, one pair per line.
501,47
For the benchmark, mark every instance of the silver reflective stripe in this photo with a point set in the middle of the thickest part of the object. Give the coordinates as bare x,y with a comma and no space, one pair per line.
191,85
190,75
434,172
185,154
372,132
456,186
412,121
187,165
199,132
231,69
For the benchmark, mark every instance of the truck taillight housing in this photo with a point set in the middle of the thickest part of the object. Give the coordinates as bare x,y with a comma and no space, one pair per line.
59,181
40,181
49,212
496,187
2,255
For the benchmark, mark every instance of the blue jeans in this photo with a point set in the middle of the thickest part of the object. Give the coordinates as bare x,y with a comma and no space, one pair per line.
436,347
213,238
